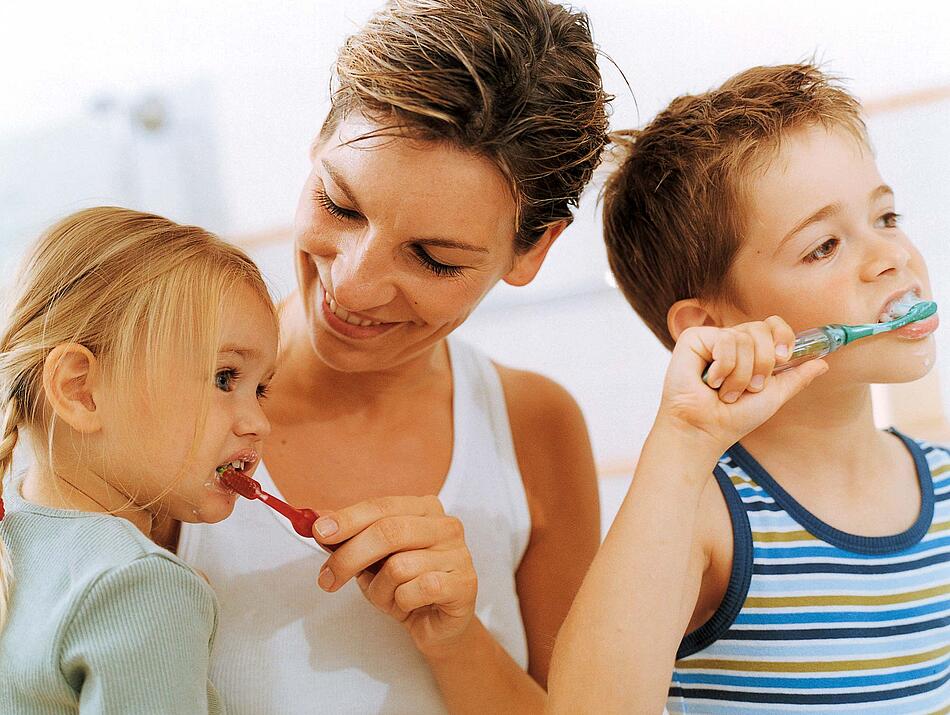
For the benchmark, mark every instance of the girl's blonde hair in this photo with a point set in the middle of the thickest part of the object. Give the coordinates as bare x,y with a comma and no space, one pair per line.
137,290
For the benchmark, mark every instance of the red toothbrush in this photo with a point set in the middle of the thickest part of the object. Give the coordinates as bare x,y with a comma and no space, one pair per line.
301,519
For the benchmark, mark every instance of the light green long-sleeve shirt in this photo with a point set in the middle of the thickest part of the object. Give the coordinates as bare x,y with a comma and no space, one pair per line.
101,619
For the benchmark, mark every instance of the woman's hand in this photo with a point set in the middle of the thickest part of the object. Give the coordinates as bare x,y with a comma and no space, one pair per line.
427,580
740,393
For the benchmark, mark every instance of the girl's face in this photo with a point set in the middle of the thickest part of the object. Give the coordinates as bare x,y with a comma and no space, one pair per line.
824,245
397,241
160,464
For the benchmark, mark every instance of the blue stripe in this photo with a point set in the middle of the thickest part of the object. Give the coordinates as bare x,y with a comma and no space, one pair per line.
841,616
838,567
823,633
830,699
774,680
838,649
761,551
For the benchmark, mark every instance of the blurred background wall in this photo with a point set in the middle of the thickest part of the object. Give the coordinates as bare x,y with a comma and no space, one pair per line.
204,110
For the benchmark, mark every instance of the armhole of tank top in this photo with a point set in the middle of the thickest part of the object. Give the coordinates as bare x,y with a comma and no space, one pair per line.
505,445
740,575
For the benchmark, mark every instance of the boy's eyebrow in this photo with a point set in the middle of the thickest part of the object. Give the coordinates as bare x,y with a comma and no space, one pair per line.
830,210
821,214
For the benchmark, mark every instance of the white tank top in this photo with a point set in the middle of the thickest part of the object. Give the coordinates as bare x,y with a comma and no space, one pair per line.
285,646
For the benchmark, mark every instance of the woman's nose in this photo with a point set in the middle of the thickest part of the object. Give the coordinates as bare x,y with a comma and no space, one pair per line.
363,273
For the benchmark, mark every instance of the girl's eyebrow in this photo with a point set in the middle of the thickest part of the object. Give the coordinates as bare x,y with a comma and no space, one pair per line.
246,353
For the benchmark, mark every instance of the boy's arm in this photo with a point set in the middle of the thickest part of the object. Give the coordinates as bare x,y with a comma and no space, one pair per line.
616,650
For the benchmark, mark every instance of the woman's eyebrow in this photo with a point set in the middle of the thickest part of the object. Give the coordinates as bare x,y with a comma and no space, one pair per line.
340,182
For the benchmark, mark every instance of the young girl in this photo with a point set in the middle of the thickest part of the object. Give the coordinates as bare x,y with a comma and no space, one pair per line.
132,363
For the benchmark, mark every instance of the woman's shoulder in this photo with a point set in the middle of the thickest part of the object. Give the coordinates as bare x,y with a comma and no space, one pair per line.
549,433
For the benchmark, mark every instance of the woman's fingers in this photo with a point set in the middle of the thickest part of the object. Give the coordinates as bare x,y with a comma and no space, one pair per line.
411,567
390,536
336,526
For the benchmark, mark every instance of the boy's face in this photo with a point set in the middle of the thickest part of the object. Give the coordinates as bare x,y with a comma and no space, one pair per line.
822,245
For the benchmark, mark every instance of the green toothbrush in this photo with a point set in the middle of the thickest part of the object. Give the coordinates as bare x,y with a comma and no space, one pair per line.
818,342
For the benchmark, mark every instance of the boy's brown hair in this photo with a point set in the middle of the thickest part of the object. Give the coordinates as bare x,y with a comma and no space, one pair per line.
674,212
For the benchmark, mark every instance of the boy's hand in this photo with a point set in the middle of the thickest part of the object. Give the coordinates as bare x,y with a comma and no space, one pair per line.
740,393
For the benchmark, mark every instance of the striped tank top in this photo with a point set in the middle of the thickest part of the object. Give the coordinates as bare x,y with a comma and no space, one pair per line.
818,620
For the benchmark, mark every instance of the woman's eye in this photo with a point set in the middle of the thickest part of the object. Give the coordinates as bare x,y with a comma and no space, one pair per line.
823,251
440,269
889,220
322,198
224,379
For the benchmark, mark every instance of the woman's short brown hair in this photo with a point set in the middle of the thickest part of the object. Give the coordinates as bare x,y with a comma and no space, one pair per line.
513,80
674,212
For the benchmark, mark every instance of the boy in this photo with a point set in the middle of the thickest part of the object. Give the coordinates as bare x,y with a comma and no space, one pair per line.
807,568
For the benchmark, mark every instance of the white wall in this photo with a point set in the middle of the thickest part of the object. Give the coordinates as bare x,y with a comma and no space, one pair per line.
255,77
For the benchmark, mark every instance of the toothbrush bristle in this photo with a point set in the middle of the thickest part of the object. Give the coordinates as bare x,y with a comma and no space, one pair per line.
240,483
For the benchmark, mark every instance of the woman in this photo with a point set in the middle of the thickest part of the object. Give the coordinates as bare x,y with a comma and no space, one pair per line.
460,135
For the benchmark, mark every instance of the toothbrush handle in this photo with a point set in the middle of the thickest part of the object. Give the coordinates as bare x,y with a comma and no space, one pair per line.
809,344
303,520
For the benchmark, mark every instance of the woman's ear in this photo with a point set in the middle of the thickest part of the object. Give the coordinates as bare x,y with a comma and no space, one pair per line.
70,375
690,313
528,264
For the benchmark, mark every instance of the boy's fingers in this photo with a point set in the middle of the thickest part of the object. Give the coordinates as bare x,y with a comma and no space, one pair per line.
782,336
764,359
738,379
723,359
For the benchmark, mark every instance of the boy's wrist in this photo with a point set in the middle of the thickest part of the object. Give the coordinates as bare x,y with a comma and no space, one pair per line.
688,438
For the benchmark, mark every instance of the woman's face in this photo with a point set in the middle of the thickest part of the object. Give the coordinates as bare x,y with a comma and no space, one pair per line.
397,240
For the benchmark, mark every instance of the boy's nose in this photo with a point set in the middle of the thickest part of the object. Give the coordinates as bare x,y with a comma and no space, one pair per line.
885,256
362,274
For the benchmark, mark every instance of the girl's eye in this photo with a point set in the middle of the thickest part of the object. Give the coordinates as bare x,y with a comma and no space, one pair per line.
262,391
224,379
823,251
889,220
440,269
322,198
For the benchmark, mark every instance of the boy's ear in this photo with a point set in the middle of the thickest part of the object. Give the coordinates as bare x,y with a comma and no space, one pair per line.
70,375
527,265
689,313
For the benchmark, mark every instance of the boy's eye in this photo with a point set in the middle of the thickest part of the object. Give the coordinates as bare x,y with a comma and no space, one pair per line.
224,379
823,251
889,220
262,391
437,267
322,198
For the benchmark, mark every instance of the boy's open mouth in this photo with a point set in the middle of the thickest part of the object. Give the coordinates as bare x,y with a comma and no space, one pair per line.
242,462
898,307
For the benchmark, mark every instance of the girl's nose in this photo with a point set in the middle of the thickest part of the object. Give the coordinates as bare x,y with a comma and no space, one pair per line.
252,422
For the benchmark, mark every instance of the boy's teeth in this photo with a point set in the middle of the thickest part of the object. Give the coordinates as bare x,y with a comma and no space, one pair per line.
898,307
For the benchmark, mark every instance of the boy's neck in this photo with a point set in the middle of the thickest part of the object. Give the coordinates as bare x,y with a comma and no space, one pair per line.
828,428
